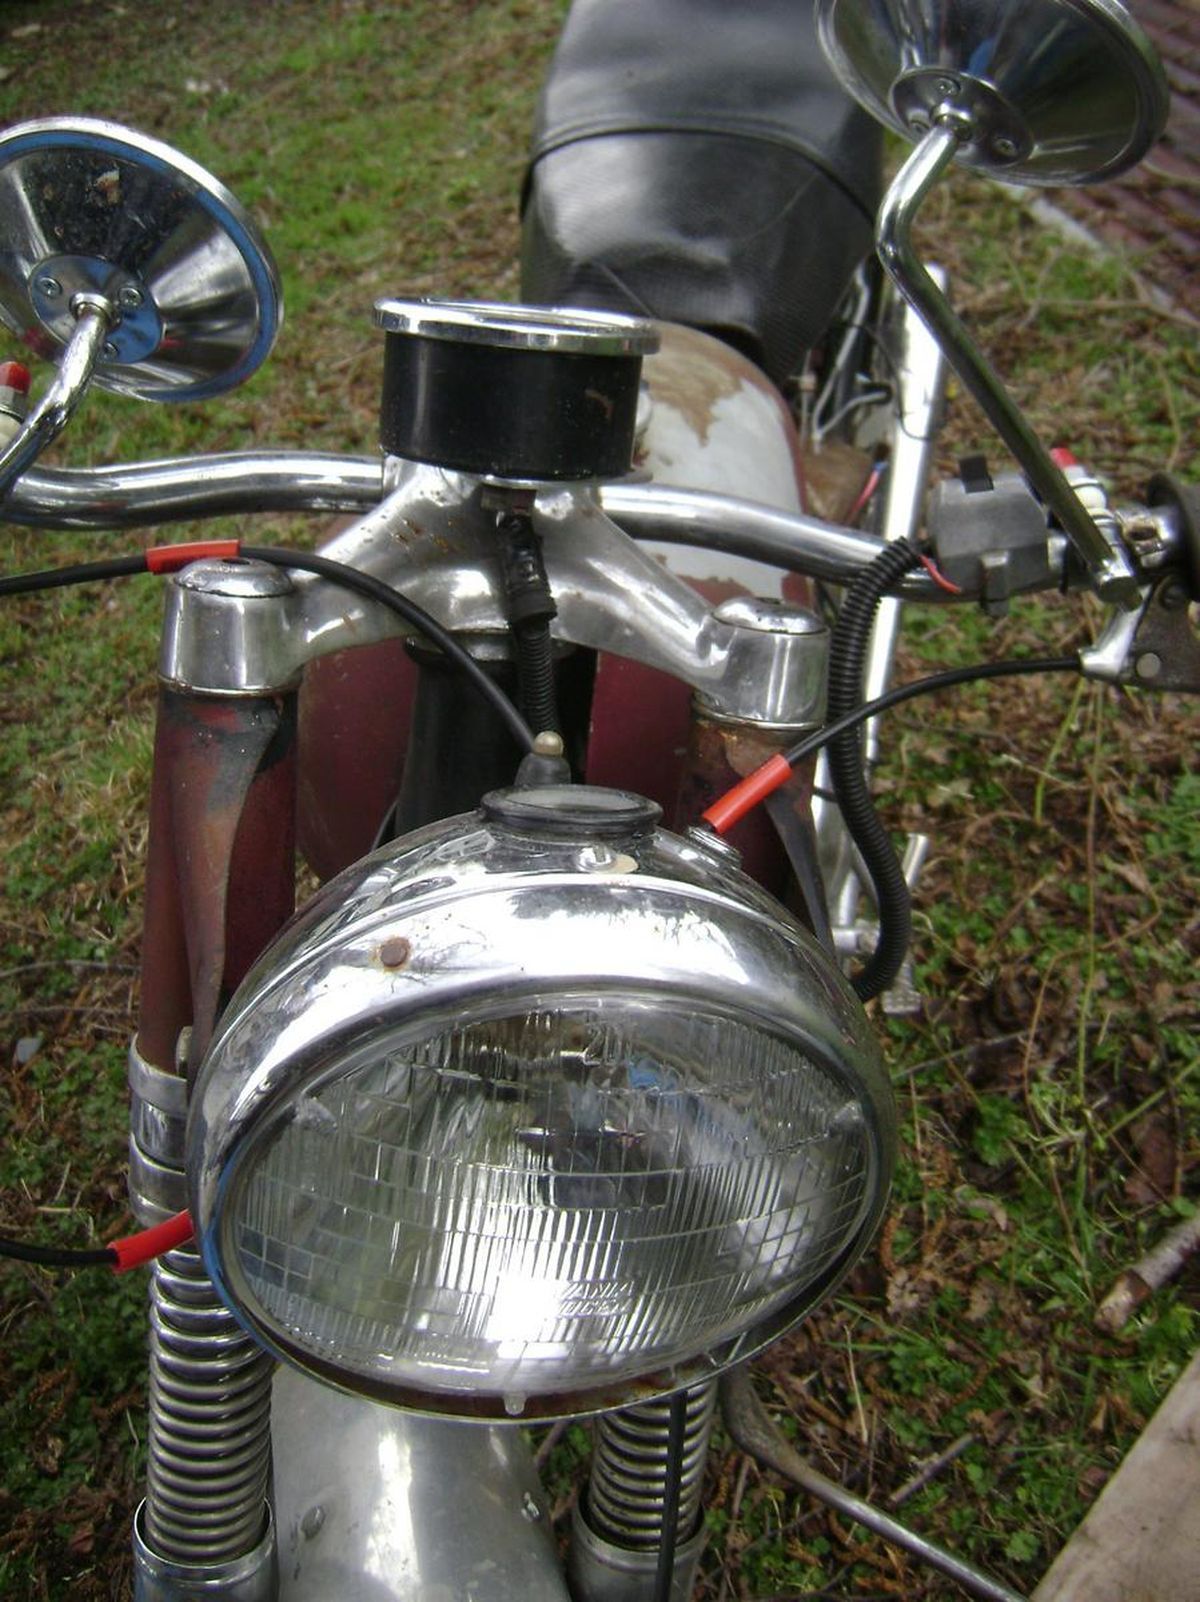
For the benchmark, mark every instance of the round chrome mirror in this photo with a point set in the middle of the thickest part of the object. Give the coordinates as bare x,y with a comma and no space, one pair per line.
92,208
1044,91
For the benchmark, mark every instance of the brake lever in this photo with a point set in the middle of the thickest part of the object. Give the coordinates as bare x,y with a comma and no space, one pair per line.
1154,648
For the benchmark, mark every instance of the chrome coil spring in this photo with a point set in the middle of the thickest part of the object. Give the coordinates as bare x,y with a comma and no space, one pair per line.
629,1470
210,1426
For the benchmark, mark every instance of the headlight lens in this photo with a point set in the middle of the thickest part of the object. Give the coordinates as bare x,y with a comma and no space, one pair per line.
553,1196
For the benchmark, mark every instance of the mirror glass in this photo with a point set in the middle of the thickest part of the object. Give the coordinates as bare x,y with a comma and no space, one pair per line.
1057,91
91,206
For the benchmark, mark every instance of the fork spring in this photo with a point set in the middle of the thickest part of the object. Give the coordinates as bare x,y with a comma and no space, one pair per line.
210,1425
627,1488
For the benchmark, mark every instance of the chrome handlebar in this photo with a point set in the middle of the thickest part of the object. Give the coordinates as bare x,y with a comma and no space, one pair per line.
173,489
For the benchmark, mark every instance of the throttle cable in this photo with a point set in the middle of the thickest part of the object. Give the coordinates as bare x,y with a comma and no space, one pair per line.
163,559
755,787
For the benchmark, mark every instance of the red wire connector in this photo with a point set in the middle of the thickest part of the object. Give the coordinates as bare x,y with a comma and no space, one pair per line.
733,806
14,398
14,376
135,1250
170,558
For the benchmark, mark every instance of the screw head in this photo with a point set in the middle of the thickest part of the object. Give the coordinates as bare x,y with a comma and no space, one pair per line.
1148,665
395,952
130,297
50,287
1004,147
948,86
1173,597
109,351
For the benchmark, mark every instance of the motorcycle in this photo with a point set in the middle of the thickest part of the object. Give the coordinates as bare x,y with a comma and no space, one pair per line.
541,1107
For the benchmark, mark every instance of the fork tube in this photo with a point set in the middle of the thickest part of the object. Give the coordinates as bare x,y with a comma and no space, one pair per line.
220,883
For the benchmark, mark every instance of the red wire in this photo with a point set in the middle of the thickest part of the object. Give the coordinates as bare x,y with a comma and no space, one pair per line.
870,485
170,558
134,1250
939,578
755,787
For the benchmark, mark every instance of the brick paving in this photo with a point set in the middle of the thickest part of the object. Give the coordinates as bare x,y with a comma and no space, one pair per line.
1154,211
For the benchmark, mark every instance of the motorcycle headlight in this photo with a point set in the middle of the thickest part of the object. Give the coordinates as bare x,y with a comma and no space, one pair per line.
538,1110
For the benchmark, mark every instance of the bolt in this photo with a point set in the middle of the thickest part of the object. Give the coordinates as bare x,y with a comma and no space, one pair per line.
394,953
947,86
1148,665
1004,147
109,351
131,297
50,287
1173,597
312,1521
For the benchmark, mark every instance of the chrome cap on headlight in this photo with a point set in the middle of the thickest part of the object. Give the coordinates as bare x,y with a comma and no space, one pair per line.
539,1110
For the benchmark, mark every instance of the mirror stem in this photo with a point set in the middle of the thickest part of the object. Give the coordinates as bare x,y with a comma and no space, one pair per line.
1099,548
94,318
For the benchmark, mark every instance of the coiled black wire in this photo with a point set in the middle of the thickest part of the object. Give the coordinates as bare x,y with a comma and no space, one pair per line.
851,636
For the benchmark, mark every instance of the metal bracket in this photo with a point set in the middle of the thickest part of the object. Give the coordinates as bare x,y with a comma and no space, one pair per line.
1156,648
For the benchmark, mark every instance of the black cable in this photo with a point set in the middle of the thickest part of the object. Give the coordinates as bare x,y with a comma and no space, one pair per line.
57,578
847,659
349,578
530,608
947,680
664,1572
58,1256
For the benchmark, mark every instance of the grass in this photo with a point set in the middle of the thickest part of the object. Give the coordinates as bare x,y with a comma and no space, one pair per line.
1050,1089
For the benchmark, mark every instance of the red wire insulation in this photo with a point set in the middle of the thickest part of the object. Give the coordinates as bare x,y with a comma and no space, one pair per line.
755,787
170,558
14,375
870,485
135,1250
939,578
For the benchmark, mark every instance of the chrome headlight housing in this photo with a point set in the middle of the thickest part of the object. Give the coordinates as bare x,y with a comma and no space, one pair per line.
539,1110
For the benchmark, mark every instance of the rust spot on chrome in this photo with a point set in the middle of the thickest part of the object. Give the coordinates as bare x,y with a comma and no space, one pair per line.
394,953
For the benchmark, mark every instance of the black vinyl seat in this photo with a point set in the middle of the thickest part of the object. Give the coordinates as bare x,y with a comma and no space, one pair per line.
696,160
